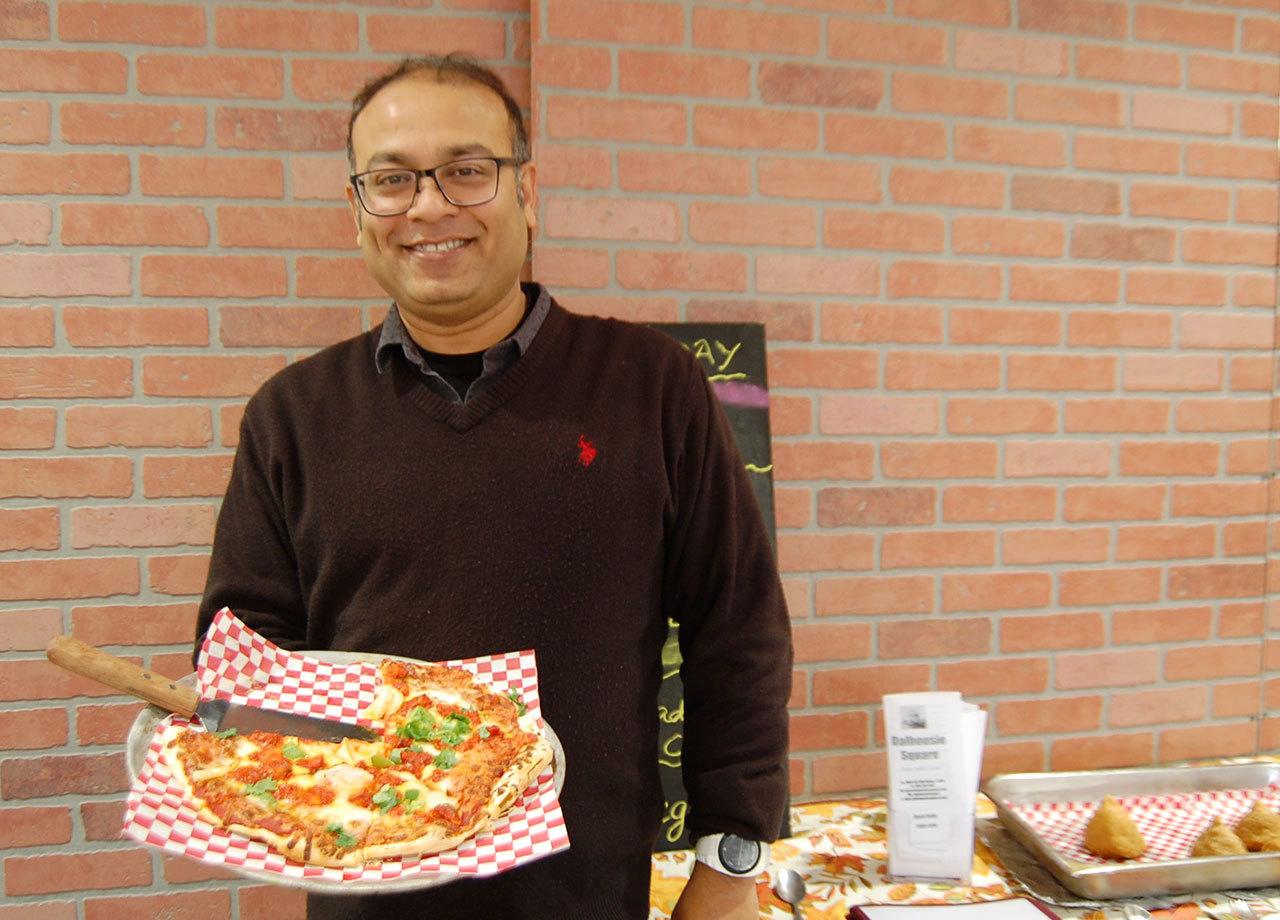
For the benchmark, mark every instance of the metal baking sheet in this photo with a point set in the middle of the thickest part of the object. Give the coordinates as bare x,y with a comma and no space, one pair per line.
1138,879
144,728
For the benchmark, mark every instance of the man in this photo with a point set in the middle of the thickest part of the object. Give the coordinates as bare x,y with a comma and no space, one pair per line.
487,472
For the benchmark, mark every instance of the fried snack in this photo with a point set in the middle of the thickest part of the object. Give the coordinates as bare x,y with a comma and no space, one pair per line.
1219,839
1112,833
1269,843
1258,825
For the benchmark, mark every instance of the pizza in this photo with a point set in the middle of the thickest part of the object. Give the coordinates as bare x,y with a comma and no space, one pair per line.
454,756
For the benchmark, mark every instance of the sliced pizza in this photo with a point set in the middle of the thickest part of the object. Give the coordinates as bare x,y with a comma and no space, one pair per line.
454,757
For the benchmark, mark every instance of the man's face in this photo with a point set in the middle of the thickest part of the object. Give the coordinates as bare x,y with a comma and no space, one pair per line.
419,123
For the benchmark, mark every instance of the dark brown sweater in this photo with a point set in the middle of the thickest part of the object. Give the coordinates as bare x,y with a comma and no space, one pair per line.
590,491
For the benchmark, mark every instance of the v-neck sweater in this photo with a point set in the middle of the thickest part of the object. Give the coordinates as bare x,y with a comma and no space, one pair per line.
590,492
395,338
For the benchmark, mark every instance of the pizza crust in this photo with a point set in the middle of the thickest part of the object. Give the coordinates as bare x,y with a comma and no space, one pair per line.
518,776
426,845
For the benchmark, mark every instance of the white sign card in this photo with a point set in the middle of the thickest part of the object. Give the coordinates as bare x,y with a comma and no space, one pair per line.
934,746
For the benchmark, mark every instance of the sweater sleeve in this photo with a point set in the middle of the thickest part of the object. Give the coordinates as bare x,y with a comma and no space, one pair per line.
253,569
722,586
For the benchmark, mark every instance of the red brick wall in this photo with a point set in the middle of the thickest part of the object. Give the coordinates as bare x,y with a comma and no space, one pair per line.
1017,266
1017,263
172,231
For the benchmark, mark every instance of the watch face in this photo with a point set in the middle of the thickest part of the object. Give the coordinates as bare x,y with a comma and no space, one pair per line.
738,855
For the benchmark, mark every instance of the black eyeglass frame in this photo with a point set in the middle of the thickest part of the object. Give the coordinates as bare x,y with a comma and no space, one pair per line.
357,182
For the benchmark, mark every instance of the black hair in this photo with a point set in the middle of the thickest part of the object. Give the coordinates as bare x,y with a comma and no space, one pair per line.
453,67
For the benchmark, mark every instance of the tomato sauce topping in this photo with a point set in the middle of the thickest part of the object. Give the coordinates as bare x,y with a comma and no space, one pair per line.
266,739
315,795
385,778
444,815
276,764
250,773
237,809
416,761
205,745
275,823
364,796
394,670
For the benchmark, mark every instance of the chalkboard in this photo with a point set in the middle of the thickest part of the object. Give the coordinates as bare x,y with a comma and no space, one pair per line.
733,356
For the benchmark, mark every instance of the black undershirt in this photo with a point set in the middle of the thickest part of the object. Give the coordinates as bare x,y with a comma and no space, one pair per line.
459,371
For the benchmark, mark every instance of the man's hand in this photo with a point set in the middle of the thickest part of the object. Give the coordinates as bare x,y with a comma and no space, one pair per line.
712,895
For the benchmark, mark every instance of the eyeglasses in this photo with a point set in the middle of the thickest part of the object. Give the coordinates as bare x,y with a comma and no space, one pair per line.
464,183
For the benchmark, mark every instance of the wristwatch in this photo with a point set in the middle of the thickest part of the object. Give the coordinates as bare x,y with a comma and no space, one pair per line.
732,855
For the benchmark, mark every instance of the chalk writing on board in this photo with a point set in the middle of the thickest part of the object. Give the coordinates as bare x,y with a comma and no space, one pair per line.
671,657
716,353
670,756
673,820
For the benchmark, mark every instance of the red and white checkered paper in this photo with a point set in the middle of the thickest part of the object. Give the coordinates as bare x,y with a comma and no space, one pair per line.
1170,823
238,665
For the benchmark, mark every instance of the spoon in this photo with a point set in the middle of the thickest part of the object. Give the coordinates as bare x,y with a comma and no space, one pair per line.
790,888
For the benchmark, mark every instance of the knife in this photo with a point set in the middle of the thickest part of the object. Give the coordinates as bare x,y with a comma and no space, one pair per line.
216,715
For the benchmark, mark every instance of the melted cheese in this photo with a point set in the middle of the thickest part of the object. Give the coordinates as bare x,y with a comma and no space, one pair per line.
387,700
344,778
244,750
346,781
352,751
449,698
428,798
217,768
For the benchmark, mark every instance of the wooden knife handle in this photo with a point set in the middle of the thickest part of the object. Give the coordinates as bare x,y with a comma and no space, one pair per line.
70,653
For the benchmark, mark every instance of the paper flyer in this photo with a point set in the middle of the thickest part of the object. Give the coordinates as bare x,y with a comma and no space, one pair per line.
934,746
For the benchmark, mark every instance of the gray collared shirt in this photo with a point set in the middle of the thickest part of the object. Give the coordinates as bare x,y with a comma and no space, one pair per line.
497,357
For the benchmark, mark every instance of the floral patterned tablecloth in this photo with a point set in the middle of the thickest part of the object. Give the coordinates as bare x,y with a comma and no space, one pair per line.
839,847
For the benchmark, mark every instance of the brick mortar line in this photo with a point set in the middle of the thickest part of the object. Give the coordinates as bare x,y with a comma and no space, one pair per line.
159,885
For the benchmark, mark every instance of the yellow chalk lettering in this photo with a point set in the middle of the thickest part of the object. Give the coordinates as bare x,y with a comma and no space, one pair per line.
671,716
671,751
673,817
728,354
702,351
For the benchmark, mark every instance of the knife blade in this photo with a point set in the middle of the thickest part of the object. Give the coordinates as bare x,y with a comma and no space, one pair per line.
79,657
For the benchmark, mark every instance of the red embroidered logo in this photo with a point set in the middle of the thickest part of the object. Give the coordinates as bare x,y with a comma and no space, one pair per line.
586,451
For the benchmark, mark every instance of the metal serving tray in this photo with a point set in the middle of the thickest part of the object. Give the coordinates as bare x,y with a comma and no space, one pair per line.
1173,876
